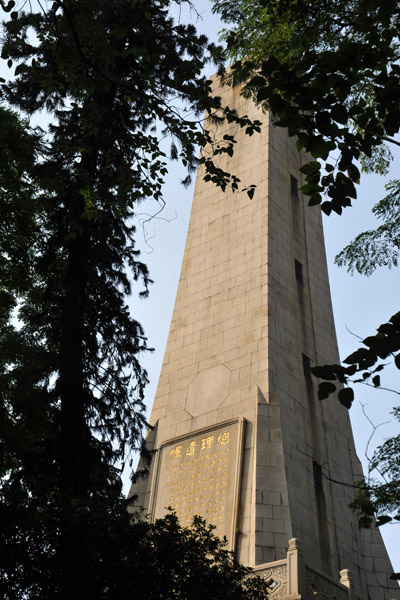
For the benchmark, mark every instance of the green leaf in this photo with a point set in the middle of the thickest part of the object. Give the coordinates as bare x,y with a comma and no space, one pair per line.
319,148
380,344
385,328
346,397
310,168
326,207
365,522
20,69
310,188
324,372
369,341
262,94
376,380
339,113
325,389
354,173
395,319
257,81
300,143
9,6
323,120
383,520
357,357
392,122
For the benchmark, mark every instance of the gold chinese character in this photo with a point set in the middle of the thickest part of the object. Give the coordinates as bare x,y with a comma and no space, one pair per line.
207,442
190,449
176,452
223,438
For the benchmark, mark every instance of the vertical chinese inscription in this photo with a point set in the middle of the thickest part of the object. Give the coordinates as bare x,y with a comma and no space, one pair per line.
200,475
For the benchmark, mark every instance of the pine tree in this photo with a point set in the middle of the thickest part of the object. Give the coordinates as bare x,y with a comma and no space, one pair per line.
110,75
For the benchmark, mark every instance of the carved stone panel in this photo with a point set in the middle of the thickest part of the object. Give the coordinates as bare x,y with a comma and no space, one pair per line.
277,580
319,587
199,474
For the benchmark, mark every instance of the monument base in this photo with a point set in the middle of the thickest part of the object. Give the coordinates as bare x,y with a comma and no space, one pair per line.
293,579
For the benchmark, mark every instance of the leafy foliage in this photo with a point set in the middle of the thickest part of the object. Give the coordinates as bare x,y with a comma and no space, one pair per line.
142,560
380,498
329,73
378,162
110,75
188,564
380,246
363,365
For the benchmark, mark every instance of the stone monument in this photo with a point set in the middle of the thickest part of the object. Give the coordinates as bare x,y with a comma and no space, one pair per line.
239,435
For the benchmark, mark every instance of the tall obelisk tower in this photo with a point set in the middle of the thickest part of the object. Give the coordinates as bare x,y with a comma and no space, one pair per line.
239,434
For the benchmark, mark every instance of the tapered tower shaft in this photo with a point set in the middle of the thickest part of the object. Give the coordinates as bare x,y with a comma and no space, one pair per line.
239,434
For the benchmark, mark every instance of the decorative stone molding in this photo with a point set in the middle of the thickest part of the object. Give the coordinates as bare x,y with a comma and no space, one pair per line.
276,576
321,587
291,579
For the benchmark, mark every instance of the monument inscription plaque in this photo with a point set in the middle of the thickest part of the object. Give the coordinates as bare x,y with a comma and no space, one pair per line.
199,474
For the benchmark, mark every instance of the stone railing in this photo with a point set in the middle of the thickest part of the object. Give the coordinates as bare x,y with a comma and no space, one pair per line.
291,579
276,575
319,586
